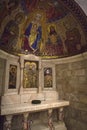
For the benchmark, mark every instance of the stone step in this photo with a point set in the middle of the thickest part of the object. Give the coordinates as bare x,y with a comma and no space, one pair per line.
44,126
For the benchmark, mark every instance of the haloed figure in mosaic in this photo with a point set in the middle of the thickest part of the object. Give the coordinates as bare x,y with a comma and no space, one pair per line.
54,44
33,35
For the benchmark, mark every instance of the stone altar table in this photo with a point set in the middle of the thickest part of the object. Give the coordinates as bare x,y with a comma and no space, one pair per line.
26,108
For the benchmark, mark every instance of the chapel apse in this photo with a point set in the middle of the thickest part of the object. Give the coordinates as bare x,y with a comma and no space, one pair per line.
48,28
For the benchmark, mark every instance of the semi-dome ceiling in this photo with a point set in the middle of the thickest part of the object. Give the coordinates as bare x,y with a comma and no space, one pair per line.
47,28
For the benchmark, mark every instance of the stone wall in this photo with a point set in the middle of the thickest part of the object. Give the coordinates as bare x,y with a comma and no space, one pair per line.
71,80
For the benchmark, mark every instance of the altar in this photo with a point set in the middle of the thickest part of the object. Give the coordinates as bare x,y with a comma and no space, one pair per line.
27,108
28,78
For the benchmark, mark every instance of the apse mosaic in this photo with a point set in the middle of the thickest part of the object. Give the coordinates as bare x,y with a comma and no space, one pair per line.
43,28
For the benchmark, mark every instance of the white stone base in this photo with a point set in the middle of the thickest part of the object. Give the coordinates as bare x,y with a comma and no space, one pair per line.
44,126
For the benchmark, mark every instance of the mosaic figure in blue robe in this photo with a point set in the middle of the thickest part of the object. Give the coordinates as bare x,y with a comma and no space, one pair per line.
32,38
